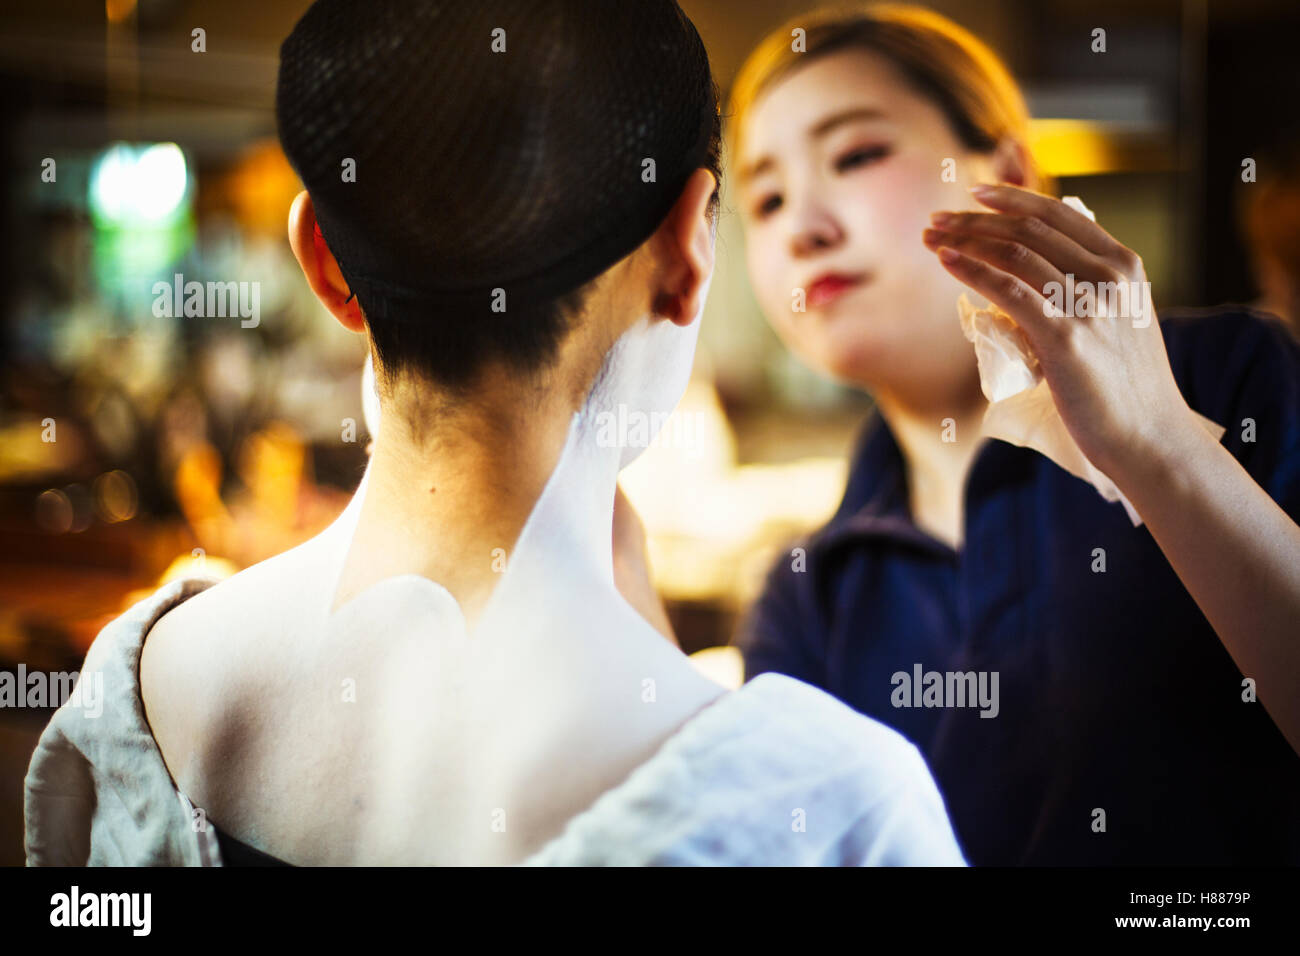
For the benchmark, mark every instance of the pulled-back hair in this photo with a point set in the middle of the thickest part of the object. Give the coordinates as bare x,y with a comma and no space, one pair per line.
474,167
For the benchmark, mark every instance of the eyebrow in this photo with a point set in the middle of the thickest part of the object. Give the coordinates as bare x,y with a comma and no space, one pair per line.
823,127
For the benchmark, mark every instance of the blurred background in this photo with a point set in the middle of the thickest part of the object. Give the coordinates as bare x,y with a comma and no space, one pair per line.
137,444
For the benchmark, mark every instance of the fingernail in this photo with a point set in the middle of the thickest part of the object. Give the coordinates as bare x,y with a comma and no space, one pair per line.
949,256
982,190
942,218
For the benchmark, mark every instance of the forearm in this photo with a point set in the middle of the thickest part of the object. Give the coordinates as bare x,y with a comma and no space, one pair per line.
1234,549
1237,553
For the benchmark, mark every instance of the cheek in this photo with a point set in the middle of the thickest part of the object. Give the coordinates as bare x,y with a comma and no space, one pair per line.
896,205
891,210
768,267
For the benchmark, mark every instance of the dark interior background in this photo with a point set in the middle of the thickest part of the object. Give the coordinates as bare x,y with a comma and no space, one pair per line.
230,444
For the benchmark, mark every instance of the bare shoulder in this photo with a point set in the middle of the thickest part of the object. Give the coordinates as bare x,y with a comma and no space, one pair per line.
168,687
193,676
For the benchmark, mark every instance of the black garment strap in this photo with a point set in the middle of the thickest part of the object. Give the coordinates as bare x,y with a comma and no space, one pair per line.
237,853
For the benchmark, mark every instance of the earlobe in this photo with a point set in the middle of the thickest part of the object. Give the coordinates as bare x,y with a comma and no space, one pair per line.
1011,162
319,265
690,236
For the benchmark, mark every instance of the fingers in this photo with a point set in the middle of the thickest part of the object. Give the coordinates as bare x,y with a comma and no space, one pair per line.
1053,213
1013,295
1058,249
1010,256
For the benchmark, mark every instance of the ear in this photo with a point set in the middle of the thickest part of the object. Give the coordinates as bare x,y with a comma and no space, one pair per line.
319,265
1011,164
685,238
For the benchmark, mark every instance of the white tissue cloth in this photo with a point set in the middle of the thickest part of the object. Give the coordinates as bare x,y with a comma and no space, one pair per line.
1021,409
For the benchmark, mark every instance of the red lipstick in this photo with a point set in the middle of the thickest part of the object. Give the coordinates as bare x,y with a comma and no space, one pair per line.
830,286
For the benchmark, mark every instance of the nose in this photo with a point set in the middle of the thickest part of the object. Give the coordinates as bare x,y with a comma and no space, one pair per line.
813,228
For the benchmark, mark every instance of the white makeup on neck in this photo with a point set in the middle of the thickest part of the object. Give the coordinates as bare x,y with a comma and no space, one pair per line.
566,541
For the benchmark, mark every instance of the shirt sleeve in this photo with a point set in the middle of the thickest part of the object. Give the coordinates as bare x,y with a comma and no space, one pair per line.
58,803
780,633
910,827
1242,369
1270,397
905,823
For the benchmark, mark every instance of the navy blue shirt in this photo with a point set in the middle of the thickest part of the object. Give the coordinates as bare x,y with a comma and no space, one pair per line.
1121,734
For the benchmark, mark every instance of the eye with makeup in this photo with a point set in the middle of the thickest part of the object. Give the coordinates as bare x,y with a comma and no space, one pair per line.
850,161
862,156
767,205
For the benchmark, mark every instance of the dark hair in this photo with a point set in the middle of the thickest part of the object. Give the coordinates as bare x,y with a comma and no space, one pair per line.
486,173
451,349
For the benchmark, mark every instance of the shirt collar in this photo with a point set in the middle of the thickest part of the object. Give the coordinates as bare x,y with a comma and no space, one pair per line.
876,503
